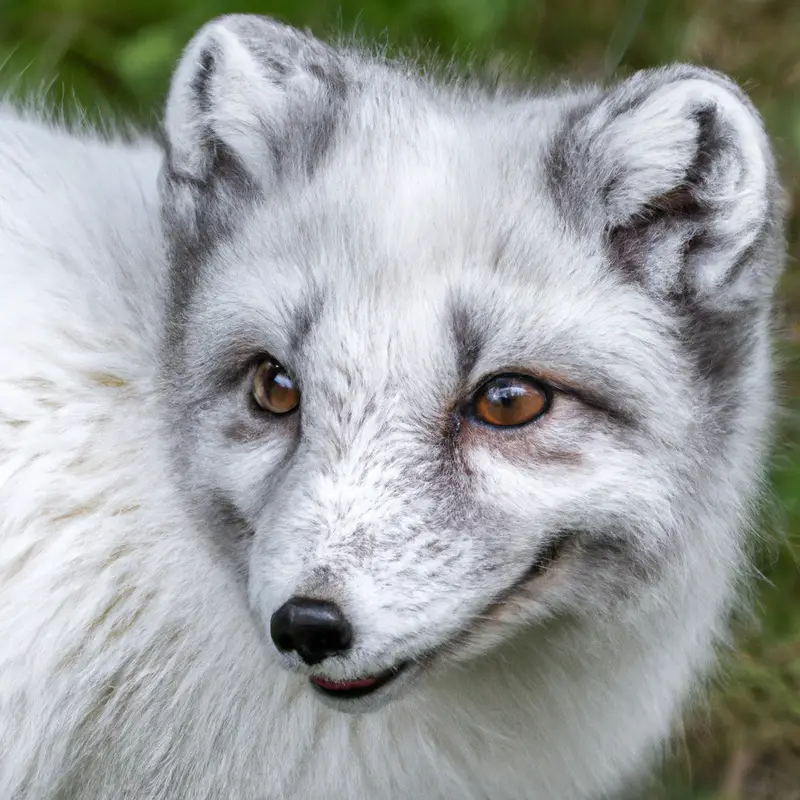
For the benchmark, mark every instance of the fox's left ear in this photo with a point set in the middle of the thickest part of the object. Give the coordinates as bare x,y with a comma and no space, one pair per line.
674,172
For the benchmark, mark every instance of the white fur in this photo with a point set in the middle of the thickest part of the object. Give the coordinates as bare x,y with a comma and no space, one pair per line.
130,662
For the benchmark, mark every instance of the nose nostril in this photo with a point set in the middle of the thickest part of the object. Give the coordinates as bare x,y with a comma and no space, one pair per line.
315,629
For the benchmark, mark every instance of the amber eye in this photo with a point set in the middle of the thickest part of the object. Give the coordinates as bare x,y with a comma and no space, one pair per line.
510,400
273,389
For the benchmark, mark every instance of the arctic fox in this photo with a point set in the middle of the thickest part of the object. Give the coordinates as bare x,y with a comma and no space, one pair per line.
378,436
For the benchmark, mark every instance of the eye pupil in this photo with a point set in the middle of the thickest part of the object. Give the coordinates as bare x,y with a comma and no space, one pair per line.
510,402
273,388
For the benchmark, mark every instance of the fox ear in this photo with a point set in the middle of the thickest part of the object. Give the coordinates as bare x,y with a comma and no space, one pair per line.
674,170
251,101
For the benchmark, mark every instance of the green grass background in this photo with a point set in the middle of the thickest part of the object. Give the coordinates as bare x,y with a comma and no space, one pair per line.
114,58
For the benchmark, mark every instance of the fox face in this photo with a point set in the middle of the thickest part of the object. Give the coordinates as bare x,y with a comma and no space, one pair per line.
445,367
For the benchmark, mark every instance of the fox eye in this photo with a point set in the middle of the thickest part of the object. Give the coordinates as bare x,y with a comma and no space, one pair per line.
508,401
273,388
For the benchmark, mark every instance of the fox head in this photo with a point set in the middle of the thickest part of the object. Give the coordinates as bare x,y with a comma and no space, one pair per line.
451,365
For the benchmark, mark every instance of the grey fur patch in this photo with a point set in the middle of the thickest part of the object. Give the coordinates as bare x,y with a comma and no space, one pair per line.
467,335
721,345
561,161
201,80
214,217
245,431
232,533
306,317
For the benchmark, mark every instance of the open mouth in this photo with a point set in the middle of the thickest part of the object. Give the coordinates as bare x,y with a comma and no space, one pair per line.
350,690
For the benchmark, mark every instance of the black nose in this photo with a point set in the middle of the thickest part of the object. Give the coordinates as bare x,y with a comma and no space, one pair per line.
315,629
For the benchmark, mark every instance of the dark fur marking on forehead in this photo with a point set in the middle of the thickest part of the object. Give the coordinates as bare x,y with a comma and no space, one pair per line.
306,317
468,338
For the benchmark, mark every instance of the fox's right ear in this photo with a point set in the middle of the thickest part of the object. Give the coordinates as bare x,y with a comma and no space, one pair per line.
251,102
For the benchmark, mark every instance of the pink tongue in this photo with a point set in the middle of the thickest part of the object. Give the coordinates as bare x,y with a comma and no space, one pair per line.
340,686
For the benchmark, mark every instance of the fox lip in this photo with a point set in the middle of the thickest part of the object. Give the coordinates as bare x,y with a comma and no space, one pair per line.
360,687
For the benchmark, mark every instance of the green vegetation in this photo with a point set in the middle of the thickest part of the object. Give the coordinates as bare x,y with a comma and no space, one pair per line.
116,57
